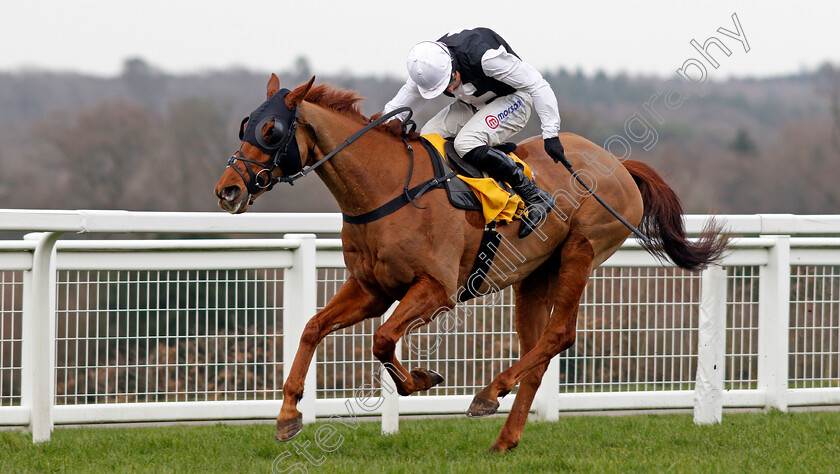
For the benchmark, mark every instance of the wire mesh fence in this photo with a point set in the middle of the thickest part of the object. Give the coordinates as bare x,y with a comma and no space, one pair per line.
145,336
131,336
151,336
742,328
637,331
814,358
344,359
468,345
11,315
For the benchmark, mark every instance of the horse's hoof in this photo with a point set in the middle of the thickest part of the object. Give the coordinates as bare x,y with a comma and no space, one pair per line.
429,378
482,407
500,448
435,378
288,429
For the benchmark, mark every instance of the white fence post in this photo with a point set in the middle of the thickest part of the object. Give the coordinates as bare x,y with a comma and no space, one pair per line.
547,398
391,399
299,305
774,323
711,347
38,333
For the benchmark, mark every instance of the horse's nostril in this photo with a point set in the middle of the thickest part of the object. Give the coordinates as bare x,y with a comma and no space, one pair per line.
230,193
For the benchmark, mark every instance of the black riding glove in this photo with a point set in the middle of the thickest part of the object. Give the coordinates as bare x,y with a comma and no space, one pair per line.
555,150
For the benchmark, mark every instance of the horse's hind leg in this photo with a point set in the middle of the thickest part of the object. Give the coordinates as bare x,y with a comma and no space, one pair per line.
350,305
534,298
416,308
577,256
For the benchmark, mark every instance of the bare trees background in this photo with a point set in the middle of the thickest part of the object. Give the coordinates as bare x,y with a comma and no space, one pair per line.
146,140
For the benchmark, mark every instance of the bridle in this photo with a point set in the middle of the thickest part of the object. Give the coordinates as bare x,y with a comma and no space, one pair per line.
282,144
255,182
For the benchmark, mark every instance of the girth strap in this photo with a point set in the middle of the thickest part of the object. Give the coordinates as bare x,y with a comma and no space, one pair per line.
483,261
399,201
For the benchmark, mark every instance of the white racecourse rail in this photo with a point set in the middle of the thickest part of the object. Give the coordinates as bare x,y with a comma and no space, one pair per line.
139,330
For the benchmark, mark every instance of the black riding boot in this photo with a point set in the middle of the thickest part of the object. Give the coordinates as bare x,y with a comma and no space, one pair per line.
499,166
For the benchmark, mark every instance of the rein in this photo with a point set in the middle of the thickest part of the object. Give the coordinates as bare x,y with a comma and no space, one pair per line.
384,118
255,184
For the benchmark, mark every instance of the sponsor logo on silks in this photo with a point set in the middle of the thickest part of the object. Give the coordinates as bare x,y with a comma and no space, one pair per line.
493,121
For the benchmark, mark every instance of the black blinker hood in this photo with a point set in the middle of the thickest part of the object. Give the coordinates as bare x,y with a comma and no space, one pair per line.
284,152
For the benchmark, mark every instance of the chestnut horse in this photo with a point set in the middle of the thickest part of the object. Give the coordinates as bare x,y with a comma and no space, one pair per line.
422,255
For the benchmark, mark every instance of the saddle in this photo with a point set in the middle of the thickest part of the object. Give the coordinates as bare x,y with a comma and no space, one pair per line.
470,189
459,192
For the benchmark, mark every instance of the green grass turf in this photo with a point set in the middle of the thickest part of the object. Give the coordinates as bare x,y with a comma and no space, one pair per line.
774,442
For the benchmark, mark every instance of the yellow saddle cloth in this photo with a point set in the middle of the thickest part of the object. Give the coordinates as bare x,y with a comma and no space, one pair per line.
497,204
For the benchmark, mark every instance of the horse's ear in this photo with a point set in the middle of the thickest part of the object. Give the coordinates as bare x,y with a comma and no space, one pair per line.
273,86
296,96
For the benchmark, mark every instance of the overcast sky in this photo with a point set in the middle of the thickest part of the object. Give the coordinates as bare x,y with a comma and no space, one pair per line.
372,38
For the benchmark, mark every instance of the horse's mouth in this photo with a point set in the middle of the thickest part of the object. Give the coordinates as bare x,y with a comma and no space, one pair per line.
235,207
233,199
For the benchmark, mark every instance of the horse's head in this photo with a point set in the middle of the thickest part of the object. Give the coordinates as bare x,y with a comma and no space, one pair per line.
272,148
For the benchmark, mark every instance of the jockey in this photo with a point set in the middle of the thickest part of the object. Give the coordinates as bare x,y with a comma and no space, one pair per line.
495,92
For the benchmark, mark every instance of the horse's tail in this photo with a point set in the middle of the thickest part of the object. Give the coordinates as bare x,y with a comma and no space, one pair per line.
662,223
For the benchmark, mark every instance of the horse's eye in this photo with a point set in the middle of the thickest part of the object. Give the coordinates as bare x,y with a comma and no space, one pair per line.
274,135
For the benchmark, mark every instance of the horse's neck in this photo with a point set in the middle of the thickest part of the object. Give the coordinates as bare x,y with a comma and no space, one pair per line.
364,175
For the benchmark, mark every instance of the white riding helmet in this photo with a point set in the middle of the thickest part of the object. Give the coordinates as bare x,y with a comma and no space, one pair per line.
430,67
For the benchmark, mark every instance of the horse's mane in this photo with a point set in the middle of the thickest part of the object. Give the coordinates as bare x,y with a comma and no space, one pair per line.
345,103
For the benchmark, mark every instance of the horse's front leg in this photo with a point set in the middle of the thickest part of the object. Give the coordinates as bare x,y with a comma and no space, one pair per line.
425,297
350,305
